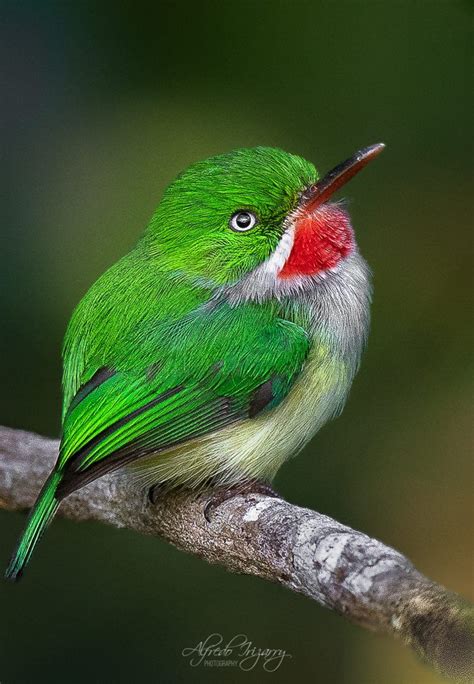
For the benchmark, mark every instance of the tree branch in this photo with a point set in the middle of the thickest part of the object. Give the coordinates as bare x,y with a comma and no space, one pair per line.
340,568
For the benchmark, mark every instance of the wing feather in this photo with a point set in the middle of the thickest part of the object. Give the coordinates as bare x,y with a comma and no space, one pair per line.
202,381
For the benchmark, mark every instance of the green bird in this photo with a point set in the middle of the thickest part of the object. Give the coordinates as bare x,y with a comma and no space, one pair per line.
223,341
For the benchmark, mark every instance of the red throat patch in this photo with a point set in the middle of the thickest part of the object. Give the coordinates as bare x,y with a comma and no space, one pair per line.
321,240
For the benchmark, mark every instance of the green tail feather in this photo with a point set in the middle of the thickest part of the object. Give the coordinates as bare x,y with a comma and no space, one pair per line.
41,515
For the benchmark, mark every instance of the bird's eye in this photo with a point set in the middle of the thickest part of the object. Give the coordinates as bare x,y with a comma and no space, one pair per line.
242,221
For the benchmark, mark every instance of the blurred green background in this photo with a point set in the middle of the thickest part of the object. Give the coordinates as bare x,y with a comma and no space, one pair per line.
104,104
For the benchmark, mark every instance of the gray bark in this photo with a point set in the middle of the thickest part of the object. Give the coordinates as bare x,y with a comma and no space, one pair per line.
340,568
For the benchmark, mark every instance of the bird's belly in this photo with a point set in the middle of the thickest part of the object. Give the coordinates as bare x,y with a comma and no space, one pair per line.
257,447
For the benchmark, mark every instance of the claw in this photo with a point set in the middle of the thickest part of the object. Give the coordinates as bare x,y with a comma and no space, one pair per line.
155,492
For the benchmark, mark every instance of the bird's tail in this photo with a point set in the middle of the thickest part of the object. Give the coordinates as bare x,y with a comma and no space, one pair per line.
41,515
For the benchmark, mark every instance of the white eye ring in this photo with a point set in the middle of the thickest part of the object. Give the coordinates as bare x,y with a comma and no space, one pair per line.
242,221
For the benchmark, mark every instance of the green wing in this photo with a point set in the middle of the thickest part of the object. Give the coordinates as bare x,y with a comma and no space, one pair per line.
165,384
212,368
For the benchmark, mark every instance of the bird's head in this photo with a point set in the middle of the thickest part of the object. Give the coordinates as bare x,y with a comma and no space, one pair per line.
255,210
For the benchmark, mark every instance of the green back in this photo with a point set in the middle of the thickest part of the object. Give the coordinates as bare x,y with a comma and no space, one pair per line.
150,359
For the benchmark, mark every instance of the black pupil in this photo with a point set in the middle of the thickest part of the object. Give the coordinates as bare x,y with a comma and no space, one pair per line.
243,219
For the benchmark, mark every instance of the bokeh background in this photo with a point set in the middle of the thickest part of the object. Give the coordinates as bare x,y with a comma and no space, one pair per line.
103,105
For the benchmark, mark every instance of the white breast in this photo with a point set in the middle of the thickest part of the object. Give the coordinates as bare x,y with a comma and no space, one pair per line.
338,318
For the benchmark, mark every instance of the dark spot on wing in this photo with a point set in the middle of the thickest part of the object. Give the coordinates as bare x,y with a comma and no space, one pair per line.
96,380
261,398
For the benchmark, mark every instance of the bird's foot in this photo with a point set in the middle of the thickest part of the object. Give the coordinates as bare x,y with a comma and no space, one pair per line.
157,490
222,494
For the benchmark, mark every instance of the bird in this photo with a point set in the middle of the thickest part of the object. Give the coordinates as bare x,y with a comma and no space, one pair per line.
223,341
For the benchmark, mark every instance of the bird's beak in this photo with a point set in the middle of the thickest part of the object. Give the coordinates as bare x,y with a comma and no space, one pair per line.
321,191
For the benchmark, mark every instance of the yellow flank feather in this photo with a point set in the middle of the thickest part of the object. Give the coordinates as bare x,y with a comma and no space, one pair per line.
257,447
